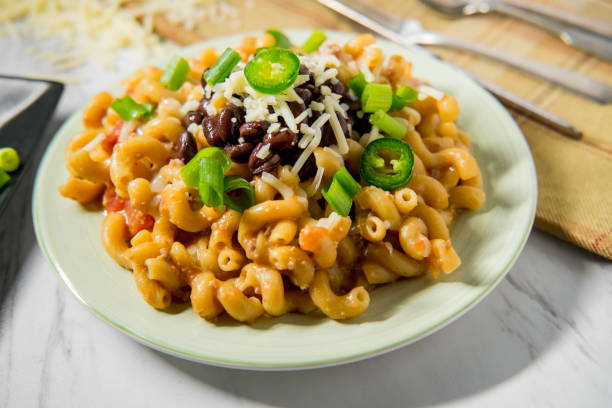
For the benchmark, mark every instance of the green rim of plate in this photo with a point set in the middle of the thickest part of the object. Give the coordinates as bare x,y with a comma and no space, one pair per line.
297,341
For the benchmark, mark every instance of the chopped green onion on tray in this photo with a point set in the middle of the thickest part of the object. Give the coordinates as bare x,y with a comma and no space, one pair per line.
9,159
4,178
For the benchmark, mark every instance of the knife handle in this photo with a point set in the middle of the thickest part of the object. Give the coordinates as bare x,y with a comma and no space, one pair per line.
603,28
588,41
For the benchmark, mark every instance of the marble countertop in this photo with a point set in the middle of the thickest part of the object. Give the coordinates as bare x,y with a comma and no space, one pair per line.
542,338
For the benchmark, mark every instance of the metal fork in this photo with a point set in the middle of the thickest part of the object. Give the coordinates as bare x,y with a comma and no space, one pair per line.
410,32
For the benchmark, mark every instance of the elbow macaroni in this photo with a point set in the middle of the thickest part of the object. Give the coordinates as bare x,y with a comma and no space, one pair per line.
287,252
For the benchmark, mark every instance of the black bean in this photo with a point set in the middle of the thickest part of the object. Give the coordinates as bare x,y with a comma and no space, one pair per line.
314,90
305,94
362,125
296,109
230,120
267,164
282,140
309,168
351,100
193,117
252,131
187,147
210,125
306,71
328,136
336,86
239,153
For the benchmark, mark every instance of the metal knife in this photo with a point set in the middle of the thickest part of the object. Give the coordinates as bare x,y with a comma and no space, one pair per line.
390,28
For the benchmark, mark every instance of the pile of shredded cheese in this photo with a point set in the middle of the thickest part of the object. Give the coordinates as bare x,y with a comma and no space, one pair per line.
263,107
98,28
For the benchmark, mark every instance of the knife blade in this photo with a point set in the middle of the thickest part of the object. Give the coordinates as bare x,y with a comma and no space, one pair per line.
389,26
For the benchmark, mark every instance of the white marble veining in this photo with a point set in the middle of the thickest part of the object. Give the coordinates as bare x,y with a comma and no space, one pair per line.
542,338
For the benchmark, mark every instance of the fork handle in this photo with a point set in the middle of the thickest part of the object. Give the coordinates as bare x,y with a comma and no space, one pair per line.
588,41
575,82
603,28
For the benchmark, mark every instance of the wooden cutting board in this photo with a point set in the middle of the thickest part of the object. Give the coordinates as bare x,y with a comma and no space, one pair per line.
575,177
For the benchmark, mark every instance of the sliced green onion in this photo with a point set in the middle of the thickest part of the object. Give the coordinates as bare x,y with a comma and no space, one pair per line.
280,39
210,184
347,181
175,73
190,173
4,178
388,124
403,96
340,190
128,109
337,197
357,84
222,68
314,41
9,159
387,163
243,194
272,70
375,97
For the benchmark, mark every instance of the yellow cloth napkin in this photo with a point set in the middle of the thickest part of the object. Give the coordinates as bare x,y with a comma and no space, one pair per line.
574,177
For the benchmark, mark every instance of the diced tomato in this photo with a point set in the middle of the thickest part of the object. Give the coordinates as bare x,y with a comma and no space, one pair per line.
111,201
311,237
111,139
137,220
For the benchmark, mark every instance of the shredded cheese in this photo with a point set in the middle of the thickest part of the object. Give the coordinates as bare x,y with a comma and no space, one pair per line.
263,152
316,182
99,28
426,91
189,106
274,127
326,76
286,113
317,106
306,114
282,188
335,125
94,142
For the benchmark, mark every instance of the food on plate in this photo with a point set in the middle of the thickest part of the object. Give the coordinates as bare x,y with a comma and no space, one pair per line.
9,161
275,178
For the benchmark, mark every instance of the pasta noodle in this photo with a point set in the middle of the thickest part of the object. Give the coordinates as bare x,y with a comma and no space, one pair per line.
290,251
